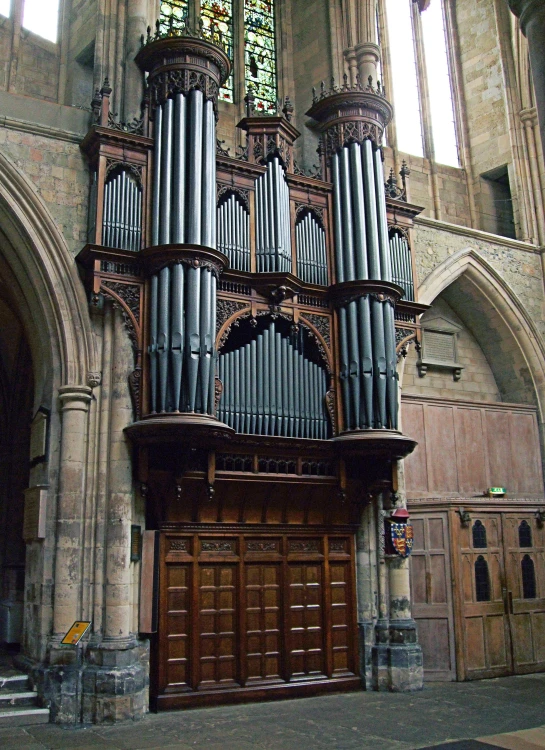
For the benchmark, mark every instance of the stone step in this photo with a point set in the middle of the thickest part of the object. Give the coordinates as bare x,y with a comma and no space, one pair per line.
12,683
22,717
22,698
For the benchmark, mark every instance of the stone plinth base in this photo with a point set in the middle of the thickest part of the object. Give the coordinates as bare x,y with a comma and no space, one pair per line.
391,657
106,683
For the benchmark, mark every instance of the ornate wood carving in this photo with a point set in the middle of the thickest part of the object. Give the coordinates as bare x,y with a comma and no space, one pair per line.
179,545
244,195
262,546
322,324
217,546
330,406
307,545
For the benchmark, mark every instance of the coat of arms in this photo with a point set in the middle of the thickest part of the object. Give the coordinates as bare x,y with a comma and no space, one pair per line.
402,538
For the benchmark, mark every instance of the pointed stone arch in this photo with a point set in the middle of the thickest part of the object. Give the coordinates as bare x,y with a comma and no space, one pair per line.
43,282
500,305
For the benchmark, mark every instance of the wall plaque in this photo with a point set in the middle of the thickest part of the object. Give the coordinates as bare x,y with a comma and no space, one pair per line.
34,518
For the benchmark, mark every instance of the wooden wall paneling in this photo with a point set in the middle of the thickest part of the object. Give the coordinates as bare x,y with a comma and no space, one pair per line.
440,448
416,467
526,472
470,450
431,594
500,464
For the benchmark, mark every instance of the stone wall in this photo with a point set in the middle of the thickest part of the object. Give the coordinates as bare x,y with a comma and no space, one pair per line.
477,382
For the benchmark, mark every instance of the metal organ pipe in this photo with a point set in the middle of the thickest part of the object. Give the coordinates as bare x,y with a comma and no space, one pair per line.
366,325
121,226
272,388
234,232
183,297
311,250
273,234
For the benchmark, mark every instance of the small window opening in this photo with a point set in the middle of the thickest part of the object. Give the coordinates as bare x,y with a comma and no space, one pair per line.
482,580
525,534
479,535
5,8
528,578
496,202
42,18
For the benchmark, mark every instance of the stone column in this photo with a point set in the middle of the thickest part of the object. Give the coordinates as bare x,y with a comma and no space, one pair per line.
366,562
133,93
75,405
362,53
532,23
62,680
405,666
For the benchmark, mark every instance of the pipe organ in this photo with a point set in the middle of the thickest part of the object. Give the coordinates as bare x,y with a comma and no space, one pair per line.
234,231
273,236
122,218
272,387
401,262
311,249
264,306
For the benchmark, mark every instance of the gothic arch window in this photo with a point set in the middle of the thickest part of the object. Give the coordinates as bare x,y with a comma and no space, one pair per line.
525,534
479,535
528,578
254,34
482,580
419,67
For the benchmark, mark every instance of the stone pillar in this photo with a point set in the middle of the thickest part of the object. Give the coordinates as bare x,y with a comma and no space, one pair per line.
63,677
362,53
532,23
380,649
366,563
405,666
137,21
75,405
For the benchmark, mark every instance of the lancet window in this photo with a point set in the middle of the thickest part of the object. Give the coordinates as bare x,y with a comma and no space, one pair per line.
173,14
260,52
220,14
419,68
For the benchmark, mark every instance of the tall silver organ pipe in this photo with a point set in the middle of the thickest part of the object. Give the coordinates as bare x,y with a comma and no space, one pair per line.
184,176
182,332
402,272
234,232
271,388
311,250
122,217
362,252
273,235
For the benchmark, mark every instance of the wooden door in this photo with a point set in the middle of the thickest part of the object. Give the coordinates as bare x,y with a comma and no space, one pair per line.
243,615
484,639
524,543
431,594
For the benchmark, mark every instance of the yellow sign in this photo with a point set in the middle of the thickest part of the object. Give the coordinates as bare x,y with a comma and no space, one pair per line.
76,633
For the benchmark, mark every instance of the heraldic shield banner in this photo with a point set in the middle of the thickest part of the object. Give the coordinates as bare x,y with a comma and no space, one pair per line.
402,538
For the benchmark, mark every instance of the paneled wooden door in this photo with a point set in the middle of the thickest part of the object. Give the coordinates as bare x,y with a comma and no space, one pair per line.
501,607
431,594
247,617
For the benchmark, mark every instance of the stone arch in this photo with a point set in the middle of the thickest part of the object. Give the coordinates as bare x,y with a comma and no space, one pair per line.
43,283
502,310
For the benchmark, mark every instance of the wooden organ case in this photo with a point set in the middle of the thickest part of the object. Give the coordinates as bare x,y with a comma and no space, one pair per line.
265,307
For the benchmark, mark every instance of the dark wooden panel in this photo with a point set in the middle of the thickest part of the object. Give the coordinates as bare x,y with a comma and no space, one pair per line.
526,471
416,469
441,449
263,622
470,450
306,646
500,471
217,623
177,624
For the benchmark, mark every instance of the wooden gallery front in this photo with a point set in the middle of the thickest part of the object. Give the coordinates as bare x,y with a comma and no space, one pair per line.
265,307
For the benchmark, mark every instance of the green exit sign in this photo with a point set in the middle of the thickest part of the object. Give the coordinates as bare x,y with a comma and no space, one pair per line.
495,491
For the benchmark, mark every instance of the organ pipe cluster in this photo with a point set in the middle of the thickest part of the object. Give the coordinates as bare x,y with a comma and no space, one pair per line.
366,325
271,388
182,331
184,176
402,272
273,240
234,233
311,250
122,217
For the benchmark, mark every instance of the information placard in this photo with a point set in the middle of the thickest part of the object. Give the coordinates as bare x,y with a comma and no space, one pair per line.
76,633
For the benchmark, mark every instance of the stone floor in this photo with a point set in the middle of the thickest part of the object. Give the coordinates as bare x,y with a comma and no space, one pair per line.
465,716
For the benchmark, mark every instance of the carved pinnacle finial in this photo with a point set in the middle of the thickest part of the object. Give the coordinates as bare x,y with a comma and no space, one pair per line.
249,100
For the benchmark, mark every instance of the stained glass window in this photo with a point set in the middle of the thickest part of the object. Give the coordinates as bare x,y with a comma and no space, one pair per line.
260,53
173,15
220,13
